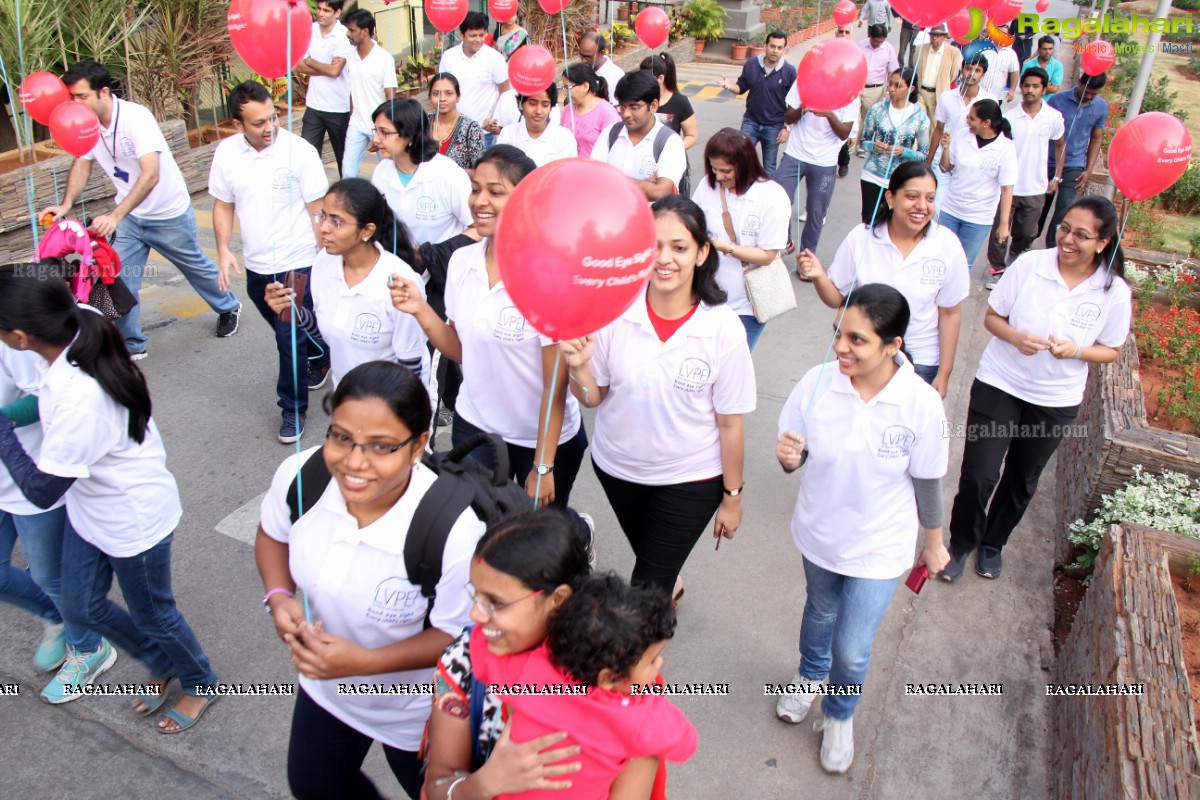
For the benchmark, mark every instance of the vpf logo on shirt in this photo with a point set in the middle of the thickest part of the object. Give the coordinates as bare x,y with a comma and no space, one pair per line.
933,272
694,375
991,164
510,325
1086,316
282,179
751,225
649,167
396,602
897,442
126,146
367,328
425,208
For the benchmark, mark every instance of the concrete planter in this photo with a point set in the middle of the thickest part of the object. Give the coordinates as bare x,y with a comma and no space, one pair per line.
1127,631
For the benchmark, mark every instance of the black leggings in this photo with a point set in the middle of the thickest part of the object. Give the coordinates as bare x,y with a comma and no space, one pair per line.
873,203
325,757
662,523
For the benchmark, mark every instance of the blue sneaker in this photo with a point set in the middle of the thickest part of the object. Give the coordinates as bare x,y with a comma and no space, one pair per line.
79,670
988,562
292,427
954,570
52,650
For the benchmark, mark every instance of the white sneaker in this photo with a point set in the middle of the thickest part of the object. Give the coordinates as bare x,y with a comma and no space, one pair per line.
794,706
591,548
803,216
837,745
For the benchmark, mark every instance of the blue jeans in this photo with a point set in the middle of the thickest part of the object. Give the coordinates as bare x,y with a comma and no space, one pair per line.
925,372
39,591
817,194
753,327
971,234
153,631
841,615
764,135
356,149
176,240
292,385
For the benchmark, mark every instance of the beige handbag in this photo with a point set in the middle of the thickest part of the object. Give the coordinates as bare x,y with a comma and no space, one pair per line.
768,288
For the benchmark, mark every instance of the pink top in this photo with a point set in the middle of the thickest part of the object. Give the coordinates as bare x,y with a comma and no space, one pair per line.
587,126
612,728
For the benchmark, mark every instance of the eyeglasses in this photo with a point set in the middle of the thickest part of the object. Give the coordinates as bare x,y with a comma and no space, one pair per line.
1080,236
383,133
937,34
337,222
343,445
490,608
632,108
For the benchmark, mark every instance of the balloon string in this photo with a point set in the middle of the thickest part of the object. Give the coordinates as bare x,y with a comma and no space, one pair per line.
13,98
541,457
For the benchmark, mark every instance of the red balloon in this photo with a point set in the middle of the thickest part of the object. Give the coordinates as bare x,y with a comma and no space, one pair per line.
258,30
1097,57
553,6
531,69
570,264
75,128
489,40
41,93
652,26
927,13
1148,154
845,12
502,10
1004,12
984,5
831,74
446,15
1042,5
959,26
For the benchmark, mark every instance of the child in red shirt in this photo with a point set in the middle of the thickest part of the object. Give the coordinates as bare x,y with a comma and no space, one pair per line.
604,647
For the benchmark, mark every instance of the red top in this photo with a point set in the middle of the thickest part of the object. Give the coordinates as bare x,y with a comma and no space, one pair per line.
665,328
444,146
611,728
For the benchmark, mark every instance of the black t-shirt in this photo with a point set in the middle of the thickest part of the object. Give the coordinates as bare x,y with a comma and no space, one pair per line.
675,112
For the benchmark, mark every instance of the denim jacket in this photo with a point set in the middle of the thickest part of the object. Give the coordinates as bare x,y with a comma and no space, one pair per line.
912,134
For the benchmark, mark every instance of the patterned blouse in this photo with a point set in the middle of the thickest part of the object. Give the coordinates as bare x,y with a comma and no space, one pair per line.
465,145
452,681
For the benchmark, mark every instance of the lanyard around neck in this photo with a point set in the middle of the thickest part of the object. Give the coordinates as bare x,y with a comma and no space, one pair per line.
116,123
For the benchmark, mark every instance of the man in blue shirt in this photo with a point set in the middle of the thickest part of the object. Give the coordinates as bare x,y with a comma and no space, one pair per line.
1084,114
767,78
1046,60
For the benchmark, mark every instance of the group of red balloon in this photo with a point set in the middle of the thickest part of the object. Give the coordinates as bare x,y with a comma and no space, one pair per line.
73,126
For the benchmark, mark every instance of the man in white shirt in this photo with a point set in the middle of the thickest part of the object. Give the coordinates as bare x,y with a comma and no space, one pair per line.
1034,125
593,51
951,114
482,74
1004,69
372,80
651,154
881,62
274,180
327,101
154,209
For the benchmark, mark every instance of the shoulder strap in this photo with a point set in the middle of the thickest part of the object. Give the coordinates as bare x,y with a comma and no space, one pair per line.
310,483
477,694
435,515
660,141
614,133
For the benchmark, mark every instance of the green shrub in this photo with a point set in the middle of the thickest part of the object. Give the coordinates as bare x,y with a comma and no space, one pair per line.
1158,98
1194,244
1183,197
1169,502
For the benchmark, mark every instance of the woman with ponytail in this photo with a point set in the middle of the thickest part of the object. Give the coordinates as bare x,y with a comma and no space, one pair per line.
589,111
982,169
103,452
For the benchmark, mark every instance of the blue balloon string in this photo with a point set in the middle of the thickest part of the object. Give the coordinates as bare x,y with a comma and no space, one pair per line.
13,99
537,492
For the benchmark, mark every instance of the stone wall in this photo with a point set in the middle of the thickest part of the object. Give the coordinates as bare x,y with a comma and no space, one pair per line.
1127,632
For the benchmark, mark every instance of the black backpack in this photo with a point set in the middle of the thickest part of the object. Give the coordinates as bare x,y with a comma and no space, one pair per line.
660,143
462,483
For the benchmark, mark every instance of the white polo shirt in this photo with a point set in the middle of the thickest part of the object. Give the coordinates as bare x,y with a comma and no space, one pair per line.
658,423
760,218
369,77
933,276
133,132
1035,299
359,323
503,377
479,76
358,587
270,190
434,203
637,161
1032,137
555,142
1001,63
973,192
611,74
21,374
124,500
812,139
856,511
331,95
951,111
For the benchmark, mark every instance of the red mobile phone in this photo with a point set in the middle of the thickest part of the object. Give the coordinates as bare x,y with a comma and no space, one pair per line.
917,578
298,283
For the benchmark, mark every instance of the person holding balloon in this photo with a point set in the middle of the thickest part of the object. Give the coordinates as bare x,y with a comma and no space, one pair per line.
747,216
673,379
535,134
372,81
589,111
153,207
1052,314
481,71
896,130
514,382
1085,114
426,190
951,114
459,137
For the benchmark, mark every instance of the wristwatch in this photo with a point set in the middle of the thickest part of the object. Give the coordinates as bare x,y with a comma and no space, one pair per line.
734,492
545,469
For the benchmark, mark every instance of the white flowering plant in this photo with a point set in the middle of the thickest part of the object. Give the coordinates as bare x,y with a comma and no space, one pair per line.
1169,501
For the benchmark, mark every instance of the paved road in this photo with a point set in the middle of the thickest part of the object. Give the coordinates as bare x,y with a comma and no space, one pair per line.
739,624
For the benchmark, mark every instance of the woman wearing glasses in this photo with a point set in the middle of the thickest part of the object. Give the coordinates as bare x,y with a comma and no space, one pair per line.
365,623
426,190
352,306
1054,312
